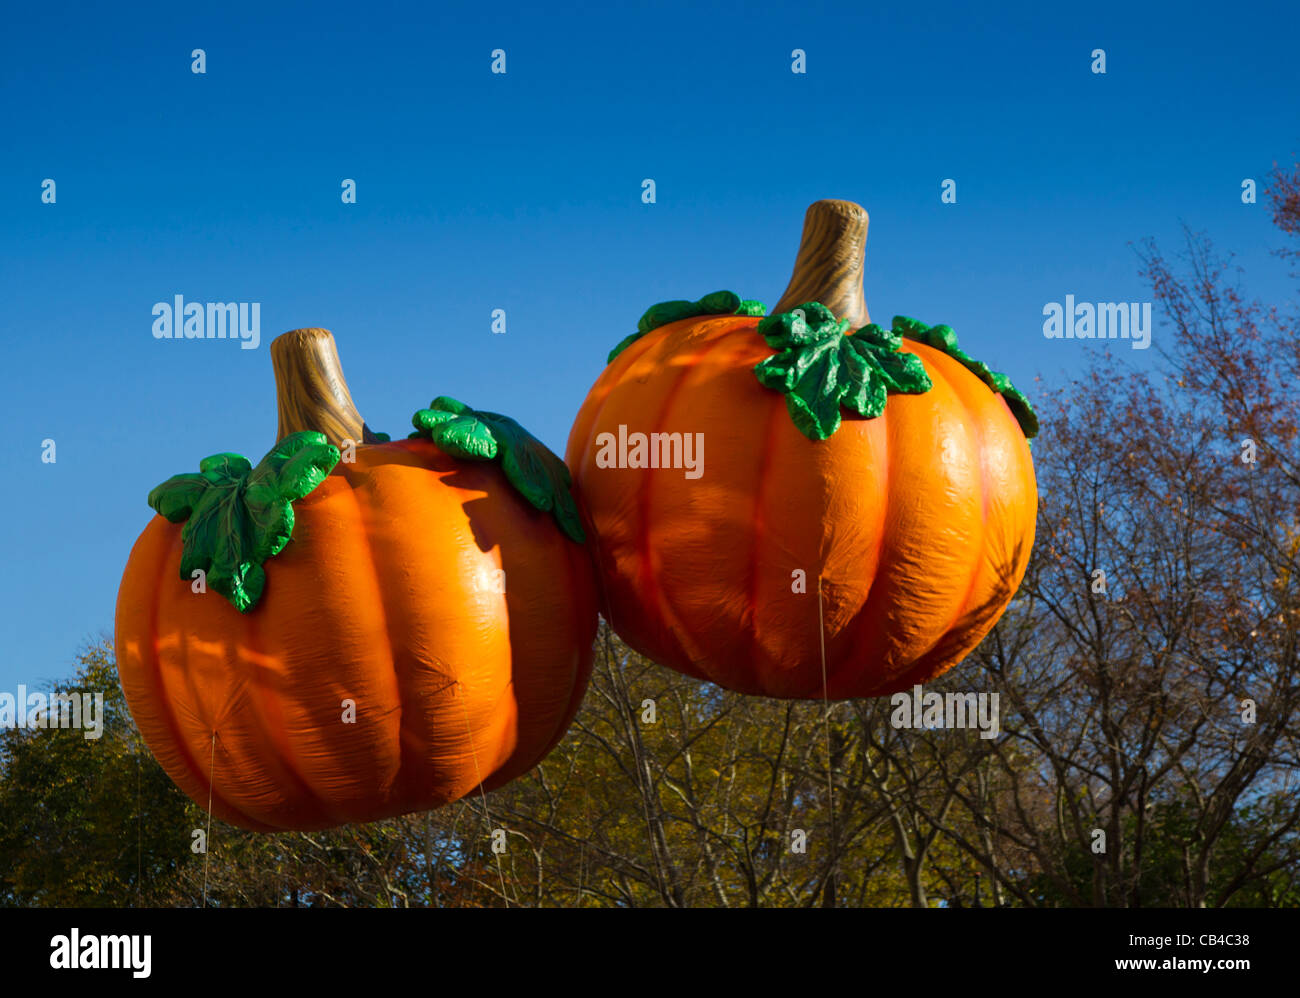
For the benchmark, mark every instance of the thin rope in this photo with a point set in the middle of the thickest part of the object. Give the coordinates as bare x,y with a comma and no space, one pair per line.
582,855
826,721
644,782
582,848
139,828
487,817
207,836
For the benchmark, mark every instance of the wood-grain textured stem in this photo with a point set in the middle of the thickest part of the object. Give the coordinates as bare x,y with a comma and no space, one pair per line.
310,392
828,268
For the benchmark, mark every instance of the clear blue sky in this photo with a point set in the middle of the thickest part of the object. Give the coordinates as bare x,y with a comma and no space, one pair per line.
479,191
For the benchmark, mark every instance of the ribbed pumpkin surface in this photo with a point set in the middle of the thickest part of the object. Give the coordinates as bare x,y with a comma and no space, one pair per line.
918,523
385,597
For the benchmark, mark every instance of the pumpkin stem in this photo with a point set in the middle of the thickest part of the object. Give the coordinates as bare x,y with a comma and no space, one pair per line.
310,392
828,268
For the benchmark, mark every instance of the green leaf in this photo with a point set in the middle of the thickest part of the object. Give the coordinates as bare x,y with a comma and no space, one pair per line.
456,430
176,498
810,322
220,466
944,339
665,312
719,303
900,372
296,465
661,314
237,516
1022,410
821,370
534,472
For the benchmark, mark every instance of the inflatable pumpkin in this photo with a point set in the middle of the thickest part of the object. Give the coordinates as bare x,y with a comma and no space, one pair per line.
318,640
804,504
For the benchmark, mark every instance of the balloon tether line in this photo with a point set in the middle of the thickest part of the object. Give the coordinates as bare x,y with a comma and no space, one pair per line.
487,817
139,824
826,721
207,836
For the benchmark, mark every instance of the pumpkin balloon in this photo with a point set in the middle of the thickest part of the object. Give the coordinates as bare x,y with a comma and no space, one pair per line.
314,641
806,504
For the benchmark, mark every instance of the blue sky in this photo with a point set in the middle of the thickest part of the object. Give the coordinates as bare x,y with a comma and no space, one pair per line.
523,192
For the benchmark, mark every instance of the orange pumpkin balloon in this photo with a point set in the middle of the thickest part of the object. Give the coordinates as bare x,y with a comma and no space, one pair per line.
426,630
776,544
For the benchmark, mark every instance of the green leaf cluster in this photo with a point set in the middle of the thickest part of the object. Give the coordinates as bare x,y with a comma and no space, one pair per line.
536,473
819,369
237,516
661,314
944,339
